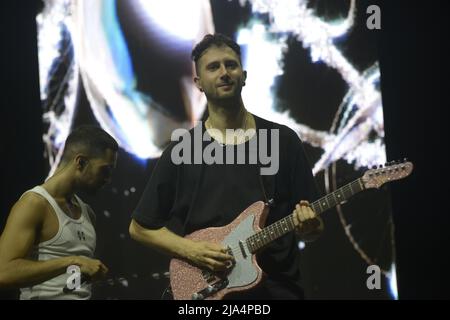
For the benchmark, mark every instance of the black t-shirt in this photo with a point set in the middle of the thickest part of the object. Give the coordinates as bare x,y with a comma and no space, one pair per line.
213,195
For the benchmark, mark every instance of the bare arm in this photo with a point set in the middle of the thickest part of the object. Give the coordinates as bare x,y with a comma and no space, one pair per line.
200,253
21,232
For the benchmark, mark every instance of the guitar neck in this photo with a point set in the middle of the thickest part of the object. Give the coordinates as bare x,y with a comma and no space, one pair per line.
285,225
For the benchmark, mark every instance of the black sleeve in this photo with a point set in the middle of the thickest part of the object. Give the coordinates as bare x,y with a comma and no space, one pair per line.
154,209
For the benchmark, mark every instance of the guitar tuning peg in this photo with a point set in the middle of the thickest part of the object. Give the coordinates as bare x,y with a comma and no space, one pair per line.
380,166
374,167
405,159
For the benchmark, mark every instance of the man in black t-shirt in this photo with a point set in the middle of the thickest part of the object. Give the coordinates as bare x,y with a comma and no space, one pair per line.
214,190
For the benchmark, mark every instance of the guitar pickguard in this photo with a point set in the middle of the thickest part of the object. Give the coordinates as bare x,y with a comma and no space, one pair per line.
243,272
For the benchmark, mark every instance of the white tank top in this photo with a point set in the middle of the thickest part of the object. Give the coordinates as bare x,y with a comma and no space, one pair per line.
75,237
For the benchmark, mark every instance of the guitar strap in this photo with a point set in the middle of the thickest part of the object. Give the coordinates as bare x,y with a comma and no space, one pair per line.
267,182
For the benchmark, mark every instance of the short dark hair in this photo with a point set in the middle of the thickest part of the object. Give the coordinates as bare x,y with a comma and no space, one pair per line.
91,140
216,39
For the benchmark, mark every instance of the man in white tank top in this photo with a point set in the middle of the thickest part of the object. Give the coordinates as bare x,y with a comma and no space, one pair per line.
47,246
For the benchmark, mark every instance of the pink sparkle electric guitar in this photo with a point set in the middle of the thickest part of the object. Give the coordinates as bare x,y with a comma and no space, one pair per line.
245,236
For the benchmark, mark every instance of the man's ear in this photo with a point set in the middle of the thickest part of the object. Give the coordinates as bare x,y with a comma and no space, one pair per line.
81,161
244,77
197,83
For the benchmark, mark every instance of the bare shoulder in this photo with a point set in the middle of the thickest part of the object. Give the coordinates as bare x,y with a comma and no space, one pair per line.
31,206
22,227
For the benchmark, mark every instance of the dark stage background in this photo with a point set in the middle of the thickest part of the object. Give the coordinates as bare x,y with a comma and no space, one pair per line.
332,269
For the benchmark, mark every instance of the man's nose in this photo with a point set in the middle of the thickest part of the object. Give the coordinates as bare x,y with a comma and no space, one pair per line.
224,72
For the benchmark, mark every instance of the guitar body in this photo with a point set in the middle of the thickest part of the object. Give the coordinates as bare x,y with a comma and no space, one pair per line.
245,235
189,282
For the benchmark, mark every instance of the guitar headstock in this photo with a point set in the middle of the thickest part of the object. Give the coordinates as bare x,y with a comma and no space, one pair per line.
375,178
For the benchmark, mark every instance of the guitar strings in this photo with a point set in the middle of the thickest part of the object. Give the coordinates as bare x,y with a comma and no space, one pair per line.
237,250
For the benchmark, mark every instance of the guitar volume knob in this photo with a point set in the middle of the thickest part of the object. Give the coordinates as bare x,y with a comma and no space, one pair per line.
211,289
197,296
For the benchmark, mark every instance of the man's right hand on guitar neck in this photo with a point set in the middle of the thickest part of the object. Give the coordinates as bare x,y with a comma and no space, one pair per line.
209,255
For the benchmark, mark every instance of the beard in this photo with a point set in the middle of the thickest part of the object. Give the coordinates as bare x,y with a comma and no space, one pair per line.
229,96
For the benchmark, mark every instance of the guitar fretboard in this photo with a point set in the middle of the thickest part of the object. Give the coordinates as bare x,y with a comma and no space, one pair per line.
285,225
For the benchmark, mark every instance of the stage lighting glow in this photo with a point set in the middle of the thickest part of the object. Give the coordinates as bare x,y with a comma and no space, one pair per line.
57,74
177,17
359,115
350,139
392,276
301,245
262,62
